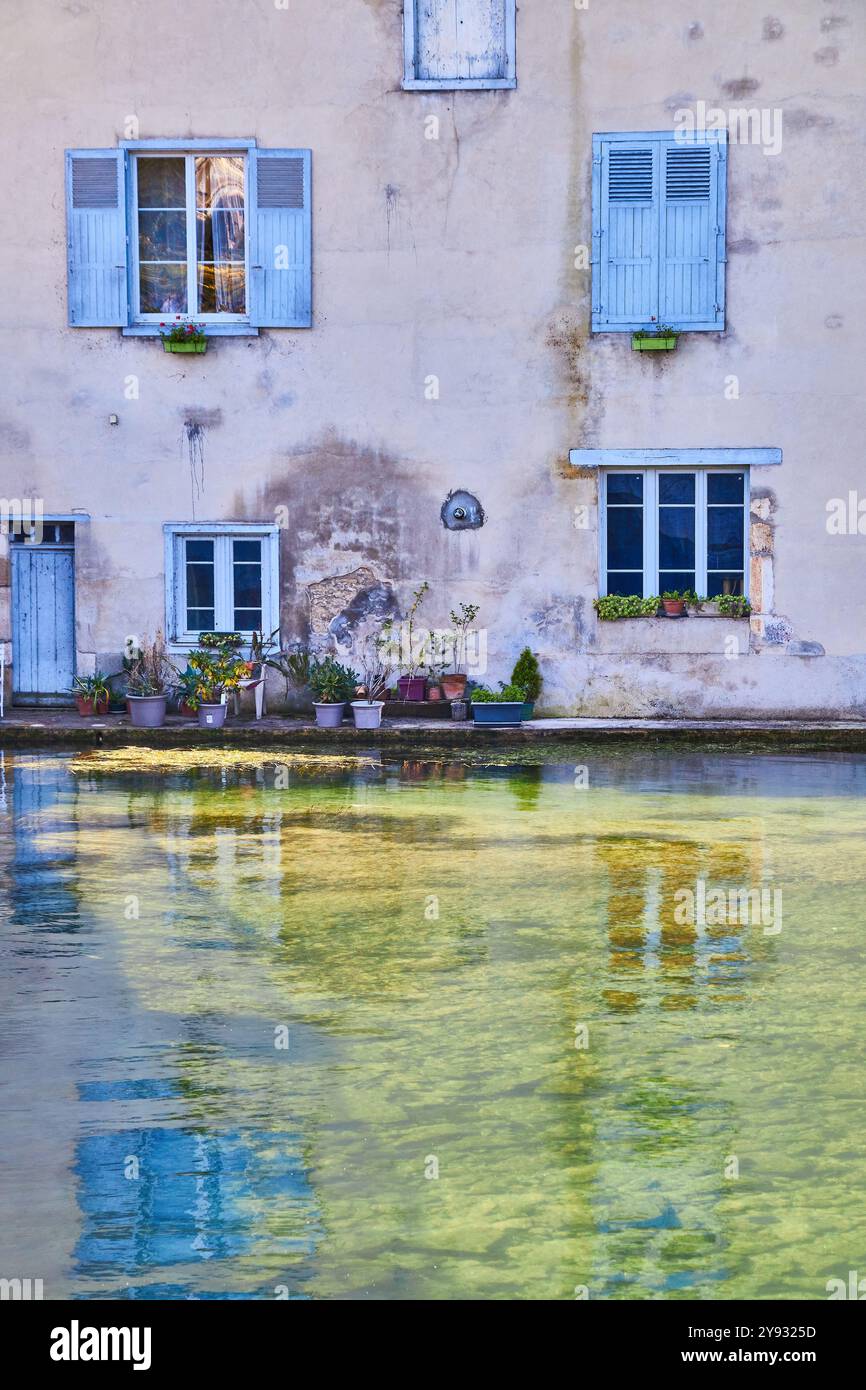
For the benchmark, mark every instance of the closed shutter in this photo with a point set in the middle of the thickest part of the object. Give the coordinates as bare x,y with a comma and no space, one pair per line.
96,238
281,291
658,252
691,235
625,233
459,43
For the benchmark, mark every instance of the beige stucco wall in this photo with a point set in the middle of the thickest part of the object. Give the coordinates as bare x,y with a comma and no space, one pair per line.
455,258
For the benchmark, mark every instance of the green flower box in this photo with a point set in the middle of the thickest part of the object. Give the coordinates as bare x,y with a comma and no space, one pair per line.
199,346
659,344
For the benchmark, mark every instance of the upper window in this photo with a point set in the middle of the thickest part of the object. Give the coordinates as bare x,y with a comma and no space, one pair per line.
221,578
221,235
671,530
459,43
190,241
658,231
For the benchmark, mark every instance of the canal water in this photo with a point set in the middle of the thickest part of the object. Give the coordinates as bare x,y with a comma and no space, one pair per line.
358,1027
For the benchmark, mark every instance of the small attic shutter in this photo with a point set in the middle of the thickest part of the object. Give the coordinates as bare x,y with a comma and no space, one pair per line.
625,233
280,239
692,234
96,238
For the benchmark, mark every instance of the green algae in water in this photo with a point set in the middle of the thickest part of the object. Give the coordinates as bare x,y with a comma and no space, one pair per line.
426,1029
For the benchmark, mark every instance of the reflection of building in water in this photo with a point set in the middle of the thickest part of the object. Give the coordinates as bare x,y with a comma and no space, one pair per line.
165,1201
655,943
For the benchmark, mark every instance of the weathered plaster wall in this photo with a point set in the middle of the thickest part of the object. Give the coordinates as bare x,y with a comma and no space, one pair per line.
454,258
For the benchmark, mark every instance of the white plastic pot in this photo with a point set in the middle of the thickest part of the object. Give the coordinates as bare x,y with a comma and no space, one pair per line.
367,713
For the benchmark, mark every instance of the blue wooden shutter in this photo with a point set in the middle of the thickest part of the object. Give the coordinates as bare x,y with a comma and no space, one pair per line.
625,251
281,280
692,232
96,238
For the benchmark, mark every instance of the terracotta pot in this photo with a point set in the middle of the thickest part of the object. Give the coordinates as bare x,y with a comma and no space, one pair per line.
674,607
186,710
453,687
434,692
86,707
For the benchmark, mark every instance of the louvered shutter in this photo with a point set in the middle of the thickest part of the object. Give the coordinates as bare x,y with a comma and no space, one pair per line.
281,291
625,251
692,234
96,238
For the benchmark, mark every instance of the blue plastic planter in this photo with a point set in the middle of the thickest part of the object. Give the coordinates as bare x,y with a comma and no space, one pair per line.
501,712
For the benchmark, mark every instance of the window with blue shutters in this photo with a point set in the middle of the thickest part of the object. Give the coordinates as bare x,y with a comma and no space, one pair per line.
658,254
459,43
218,232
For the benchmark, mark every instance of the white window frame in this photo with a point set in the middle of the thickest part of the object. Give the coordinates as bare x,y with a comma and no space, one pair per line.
412,83
176,533
190,156
650,523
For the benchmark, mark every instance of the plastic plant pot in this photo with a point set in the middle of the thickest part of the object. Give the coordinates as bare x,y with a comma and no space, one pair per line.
528,709
146,711
329,716
505,713
367,715
199,347
212,716
657,344
412,687
459,709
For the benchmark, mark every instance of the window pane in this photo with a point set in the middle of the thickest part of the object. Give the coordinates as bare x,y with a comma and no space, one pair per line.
624,488
161,182
199,586
199,620
724,538
162,288
725,487
676,579
220,234
219,181
248,550
676,538
247,578
162,236
625,584
730,583
199,550
625,538
677,487
221,289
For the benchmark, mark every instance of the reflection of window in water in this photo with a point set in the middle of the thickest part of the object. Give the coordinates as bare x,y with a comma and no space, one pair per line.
651,935
153,1198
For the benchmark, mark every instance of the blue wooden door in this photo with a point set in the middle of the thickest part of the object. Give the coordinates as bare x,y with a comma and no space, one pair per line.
43,624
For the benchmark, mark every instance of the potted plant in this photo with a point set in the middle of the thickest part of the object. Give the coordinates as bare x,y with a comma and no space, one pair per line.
183,335
367,709
526,674
92,694
150,674
410,685
674,602
332,685
217,670
506,708
185,687
659,338
454,685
